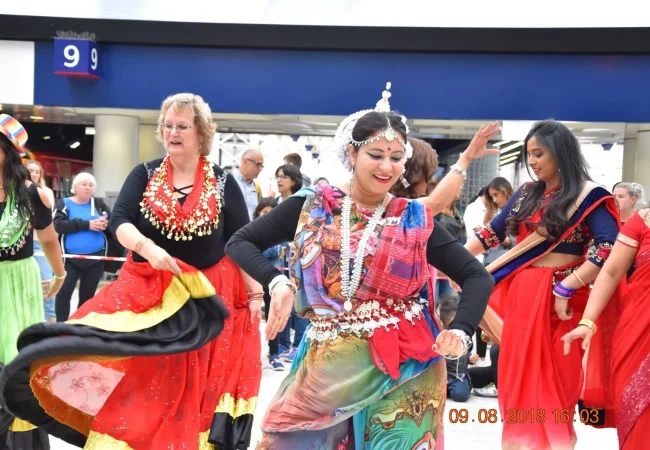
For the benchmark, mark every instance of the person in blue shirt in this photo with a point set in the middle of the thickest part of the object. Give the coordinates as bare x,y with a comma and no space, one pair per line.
80,221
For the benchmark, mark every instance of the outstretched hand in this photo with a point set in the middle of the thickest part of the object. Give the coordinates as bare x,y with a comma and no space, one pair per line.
478,147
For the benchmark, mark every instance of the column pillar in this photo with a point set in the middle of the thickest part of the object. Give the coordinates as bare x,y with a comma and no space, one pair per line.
629,159
642,168
149,147
115,152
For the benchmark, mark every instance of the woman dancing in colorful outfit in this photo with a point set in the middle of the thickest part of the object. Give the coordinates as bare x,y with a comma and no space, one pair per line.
631,347
369,373
542,290
24,207
150,362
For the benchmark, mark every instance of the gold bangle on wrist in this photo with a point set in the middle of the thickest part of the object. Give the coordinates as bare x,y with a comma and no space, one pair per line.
140,244
589,324
582,282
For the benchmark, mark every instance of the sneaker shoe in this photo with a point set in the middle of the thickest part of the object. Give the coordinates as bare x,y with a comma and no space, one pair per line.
289,356
284,350
276,364
488,391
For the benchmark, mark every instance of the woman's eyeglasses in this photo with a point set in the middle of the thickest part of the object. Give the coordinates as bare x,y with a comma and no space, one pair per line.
281,177
181,127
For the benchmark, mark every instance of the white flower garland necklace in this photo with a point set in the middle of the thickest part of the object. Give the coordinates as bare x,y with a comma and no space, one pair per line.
349,287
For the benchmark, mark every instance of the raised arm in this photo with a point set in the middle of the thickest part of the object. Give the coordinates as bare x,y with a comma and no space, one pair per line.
448,188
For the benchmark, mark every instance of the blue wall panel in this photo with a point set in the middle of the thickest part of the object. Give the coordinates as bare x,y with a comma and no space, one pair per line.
444,86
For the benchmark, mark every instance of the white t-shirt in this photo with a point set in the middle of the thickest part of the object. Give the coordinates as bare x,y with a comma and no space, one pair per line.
473,217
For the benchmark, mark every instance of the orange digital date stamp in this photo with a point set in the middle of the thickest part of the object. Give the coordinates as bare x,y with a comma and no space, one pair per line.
491,415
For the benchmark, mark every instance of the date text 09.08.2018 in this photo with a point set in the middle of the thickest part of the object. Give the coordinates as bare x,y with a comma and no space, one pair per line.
586,416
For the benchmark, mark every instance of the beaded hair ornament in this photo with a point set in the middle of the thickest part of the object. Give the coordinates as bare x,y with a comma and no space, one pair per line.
343,136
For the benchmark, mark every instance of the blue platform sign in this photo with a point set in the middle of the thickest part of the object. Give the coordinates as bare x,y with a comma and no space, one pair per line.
76,58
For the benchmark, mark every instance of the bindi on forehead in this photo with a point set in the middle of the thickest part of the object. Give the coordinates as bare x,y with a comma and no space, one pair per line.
390,149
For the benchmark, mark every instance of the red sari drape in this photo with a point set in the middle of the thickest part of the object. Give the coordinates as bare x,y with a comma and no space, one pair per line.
631,359
542,382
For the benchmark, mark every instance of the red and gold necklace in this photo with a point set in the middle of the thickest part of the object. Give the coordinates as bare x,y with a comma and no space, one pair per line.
198,215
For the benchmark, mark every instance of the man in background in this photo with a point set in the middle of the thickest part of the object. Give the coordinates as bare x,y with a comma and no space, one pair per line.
294,159
252,163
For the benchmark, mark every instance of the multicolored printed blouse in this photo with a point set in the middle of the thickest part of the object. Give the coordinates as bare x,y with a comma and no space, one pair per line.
594,236
317,251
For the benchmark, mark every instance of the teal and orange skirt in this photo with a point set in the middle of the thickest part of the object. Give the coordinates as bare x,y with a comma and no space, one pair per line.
335,398
153,361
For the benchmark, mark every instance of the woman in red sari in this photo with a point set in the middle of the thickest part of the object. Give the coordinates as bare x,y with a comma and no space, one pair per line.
631,358
150,362
542,289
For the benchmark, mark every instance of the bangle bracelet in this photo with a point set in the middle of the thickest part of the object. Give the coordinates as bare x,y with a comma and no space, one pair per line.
62,277
582,282
140,244
562,291
589,324
281,280
462,172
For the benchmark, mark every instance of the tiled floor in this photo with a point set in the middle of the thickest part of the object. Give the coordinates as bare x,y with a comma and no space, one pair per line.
467,436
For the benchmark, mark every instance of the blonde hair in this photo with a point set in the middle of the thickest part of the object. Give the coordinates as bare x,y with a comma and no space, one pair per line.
41,181
202,118
633,190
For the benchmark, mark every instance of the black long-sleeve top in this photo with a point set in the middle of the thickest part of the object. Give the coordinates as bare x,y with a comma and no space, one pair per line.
202,251
443,252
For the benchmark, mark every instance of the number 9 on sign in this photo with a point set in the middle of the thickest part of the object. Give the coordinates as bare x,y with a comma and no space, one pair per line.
93,58
71,54
76,57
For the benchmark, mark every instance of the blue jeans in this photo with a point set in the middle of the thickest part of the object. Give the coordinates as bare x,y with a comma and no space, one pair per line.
46,274
299,324
458,390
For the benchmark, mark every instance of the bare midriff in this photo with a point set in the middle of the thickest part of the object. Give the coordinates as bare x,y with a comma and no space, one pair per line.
556,260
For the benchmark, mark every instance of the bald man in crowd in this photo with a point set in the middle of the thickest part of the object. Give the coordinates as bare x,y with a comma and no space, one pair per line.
252,163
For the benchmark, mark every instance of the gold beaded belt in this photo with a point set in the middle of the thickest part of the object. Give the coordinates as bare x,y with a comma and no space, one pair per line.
367,316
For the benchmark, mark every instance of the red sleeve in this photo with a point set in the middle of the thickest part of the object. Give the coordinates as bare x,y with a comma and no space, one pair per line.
632,232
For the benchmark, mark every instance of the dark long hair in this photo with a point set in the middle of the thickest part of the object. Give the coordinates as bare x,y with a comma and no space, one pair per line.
14,176
293,173
499,184
568,157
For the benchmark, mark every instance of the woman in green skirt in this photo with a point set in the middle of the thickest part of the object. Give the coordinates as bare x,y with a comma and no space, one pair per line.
23,208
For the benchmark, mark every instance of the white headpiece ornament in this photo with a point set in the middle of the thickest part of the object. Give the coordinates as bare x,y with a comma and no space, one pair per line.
343,136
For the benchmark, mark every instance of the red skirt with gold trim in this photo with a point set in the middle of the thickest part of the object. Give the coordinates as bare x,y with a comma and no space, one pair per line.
149,363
